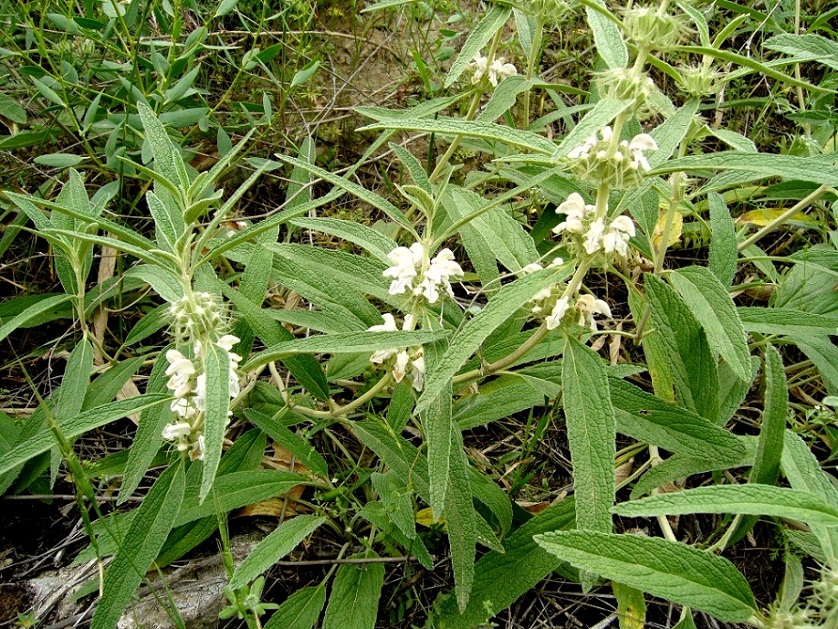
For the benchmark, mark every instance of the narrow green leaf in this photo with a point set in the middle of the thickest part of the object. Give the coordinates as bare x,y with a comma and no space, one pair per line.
681,466
32,312
500,578
293,442
723,252
349,342
750,499
78,425
217,370
476,330
370,239
712,306
274,547
787,321
353,603
766,467
461,522
167,159
672,131
439,431
765,165
591,434
607,37
164,282
666,569
59,160
146,535
300,610
478,37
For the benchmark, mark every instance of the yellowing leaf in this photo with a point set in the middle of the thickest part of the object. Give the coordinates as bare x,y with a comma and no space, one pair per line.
425,517
763,217
674,230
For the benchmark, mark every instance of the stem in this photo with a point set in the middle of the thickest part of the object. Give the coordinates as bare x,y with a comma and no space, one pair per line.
533,58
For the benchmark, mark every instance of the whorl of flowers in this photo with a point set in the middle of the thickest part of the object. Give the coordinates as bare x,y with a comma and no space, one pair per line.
197,319
403,363
581,223
413,273
600,160
496,71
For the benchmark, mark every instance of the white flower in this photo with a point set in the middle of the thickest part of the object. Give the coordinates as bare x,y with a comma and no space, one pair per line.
583,150
558,313
418,373
575,209
200,398
442,267
176,431
389,325
587,306
499,70
197,451
227,341
479,65
400,366
639,144
405,264
621,229
532,267
593,238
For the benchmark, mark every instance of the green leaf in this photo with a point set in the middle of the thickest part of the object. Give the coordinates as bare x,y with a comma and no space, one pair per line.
237,489
787,321
217,370
145,538
603,112
168,222
666,569
164,282
688,358
804,473
478,37
293,442
500,578
397,499
300,610
809,45
607,37
681,466
167,160
766,467
11,109
274,547
631,606
353,603
712,306
370,239
461,521
763,165
78,425
305,73
672,131
442,436
149,433
723,252
33,311
59,160
476,330
750,499
346,343
591,434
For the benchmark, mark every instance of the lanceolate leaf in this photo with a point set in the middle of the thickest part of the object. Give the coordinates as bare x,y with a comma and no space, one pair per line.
723,252
591,435
353,603
75,426
479,37
146,535
770,449
712,306
42,306
766,165
607,37
667,569
274,547
217,370
461,521
442,442
748,499
300,610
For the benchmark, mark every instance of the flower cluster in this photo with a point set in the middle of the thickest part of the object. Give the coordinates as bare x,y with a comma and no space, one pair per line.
413,273
404,362
600,159
197,315
188,384
581,220
497,71
586,307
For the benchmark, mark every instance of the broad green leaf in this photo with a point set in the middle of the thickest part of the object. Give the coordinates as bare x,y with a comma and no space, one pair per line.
78,425
787,321
607,37
504,97
764,164
591,435
353,603
236,490
670,570
804,473
305,73
461,521
217,370
723,252
478,37
497,399
106,386
274,547
502,306
712,306
300,610
33,311
401,406
143,541
168,222
809,45
681,466
149,433
732,390
397,500
500,578
11,109
646,417
349,342
687,352
490,131
70,396
748,499
164,282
